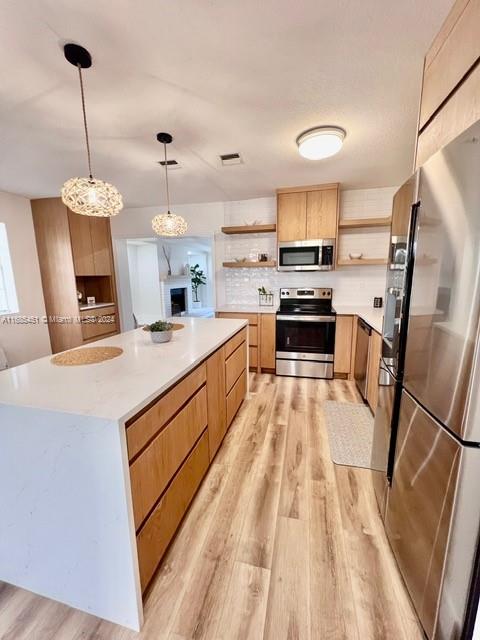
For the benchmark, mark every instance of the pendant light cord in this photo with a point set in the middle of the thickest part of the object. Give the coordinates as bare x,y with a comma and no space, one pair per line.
166,177
85,123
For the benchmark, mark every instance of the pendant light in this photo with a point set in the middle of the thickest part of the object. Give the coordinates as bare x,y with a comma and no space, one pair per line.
88,196
168,224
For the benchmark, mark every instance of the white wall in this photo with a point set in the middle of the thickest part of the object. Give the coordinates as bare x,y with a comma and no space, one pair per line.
144,279
351,285
203,219
23,342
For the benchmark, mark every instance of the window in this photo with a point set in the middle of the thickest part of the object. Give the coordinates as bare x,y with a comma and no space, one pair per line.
8,294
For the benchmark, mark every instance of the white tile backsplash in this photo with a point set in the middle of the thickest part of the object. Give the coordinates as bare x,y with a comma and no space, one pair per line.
351,285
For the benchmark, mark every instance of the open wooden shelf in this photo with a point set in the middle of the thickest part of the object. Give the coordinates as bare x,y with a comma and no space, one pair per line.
347,262
249,265
364,223
252,228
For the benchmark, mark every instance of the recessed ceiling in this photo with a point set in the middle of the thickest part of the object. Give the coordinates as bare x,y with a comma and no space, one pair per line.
222,76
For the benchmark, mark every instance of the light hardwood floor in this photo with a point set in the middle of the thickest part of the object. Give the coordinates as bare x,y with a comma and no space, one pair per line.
279,543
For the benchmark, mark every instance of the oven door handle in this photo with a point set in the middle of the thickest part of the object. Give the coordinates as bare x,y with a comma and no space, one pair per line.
299,318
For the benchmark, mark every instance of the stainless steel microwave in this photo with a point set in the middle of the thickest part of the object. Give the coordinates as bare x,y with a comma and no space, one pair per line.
306,255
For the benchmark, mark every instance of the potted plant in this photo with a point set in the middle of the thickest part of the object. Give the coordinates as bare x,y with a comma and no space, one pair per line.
160,331
197,278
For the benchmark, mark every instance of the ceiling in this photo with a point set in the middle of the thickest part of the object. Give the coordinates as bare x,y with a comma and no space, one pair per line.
221,76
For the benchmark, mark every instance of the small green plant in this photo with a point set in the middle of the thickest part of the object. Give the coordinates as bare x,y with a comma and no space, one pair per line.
198,278
262,291
159,325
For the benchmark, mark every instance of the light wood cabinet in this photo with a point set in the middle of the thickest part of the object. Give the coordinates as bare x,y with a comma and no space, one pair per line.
402,208
343,345
267,340
450,99
153,469
142,428
160,527
374,353
173,441
453,53
97,323
291,216
81,241
261,338
91,245
52,236
322,207
307,213
234,365
75,254
216,400
235,397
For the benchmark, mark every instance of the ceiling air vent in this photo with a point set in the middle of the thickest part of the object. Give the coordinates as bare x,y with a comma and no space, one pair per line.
171,164
230,158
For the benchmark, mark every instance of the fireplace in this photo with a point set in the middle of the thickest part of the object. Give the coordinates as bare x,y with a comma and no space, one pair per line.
178,300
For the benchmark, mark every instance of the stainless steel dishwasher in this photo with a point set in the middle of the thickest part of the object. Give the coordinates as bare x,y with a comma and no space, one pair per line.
361,356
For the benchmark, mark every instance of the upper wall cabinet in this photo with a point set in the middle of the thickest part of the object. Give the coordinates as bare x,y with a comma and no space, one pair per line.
452,54
90,245
451,80
307,213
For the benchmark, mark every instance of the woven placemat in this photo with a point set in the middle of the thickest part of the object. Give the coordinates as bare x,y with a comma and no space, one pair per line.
87,355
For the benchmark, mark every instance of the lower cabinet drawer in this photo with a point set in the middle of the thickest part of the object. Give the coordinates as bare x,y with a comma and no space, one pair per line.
235,397
155,466
234,342
157,532
143,429
234,365
99,325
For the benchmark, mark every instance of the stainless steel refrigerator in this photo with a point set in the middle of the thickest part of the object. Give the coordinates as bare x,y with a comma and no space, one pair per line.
393,338
433,506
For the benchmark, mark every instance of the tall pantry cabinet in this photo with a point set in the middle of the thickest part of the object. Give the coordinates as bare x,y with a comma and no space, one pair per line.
76,262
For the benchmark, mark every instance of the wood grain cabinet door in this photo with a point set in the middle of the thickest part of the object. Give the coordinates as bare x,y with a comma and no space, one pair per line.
453,53
82,247
267,340
101,246
291,216
343,344
216,407
322,213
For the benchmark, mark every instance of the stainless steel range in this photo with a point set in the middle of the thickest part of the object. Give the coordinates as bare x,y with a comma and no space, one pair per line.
305,333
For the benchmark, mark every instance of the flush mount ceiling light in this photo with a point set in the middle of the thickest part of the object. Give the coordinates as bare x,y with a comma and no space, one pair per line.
168,224
320,142
88,196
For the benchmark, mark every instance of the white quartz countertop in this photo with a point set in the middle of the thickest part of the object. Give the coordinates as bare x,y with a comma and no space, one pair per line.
372,316
116,389
245,308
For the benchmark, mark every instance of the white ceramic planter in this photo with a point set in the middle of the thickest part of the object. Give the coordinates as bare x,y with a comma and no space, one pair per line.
161,336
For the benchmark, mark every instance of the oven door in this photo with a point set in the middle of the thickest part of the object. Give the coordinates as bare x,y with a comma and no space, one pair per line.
309,335
299,256
305,346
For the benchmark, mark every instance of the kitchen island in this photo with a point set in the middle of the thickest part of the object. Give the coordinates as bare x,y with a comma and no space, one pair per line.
99,463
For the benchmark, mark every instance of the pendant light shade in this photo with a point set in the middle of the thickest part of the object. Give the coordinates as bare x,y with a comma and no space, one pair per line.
168,224
88,196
